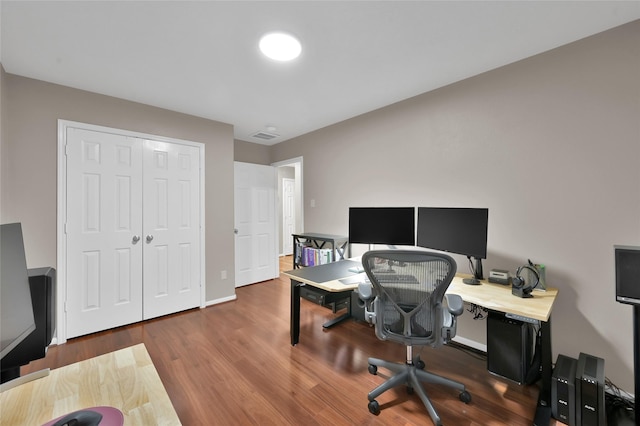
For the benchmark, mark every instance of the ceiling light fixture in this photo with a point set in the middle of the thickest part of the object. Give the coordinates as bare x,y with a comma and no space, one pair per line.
280,46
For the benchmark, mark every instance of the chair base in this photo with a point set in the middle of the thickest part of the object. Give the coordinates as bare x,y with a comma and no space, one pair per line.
413,377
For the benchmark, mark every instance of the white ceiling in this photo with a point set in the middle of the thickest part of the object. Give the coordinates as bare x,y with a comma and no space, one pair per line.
201,58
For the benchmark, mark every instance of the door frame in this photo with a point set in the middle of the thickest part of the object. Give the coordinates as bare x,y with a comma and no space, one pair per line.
298,164
284,237
61,210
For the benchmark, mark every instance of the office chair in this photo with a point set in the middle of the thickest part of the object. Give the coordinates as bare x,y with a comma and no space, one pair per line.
406,302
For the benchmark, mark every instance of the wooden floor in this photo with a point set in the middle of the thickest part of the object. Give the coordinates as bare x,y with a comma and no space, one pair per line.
232,364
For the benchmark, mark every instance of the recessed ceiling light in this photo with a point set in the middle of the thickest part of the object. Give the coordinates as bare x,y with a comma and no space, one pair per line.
280,46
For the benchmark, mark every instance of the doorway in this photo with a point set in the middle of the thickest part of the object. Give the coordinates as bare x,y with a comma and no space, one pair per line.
290,171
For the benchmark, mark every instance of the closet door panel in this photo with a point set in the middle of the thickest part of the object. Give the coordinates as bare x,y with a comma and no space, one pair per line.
171,228
104,215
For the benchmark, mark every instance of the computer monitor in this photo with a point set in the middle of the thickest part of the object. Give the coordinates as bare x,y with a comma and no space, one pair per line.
382,225
458,230
627,265
16,319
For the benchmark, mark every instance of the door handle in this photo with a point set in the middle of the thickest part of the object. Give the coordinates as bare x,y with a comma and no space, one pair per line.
135,239
235,231
149,238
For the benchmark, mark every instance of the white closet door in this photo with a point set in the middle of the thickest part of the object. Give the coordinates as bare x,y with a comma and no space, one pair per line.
255,223
171,228
104,217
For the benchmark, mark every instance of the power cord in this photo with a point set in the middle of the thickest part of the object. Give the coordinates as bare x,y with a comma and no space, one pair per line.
620,408
478,312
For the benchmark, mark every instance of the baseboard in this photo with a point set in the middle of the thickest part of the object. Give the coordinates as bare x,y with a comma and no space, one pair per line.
221,300
470,343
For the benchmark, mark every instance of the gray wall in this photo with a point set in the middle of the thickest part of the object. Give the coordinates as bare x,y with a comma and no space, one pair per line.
31,109
550,144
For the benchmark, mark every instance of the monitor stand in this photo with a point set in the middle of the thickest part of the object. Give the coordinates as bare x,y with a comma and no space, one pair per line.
477,272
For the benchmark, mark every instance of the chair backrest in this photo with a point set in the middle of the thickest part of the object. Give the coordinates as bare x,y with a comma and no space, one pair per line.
409,286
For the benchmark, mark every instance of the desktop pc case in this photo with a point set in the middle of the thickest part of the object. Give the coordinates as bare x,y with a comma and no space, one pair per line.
590,400
563,390
509,347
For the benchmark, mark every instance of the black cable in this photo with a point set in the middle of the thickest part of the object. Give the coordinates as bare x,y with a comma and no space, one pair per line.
479,312
473,271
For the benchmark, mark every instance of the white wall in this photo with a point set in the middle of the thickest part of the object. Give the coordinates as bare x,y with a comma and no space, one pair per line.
551,145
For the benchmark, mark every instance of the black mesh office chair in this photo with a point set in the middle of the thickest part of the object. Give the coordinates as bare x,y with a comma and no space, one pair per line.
407,303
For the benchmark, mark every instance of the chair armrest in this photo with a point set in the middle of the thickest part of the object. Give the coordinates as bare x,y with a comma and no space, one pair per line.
455,305
365,291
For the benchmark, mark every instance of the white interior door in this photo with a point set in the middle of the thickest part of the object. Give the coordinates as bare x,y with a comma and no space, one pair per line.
171,228
288,215
256,249
103,224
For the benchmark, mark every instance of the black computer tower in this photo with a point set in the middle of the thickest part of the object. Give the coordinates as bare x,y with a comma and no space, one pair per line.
563,390
509,347
590,402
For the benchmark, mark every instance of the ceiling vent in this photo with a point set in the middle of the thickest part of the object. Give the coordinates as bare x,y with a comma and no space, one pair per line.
264,136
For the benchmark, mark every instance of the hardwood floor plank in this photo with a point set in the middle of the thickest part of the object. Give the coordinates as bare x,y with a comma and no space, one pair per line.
232,364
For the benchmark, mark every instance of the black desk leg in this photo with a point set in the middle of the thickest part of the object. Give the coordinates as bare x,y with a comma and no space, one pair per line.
294,324
338,319
543,410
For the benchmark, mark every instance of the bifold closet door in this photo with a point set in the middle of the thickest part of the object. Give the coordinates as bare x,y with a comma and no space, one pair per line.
171,228
132,230
103,231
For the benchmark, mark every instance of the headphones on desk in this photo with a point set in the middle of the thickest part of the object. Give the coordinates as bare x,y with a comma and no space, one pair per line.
520,287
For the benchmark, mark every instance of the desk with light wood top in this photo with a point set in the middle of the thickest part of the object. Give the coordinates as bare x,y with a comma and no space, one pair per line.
336,277
499,298
125,379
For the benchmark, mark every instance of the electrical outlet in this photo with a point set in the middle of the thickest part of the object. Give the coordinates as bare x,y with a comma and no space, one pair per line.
223,275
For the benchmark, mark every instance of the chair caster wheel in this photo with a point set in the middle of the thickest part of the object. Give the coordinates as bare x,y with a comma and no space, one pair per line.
374,407
465,397
409,390
373,369
420,364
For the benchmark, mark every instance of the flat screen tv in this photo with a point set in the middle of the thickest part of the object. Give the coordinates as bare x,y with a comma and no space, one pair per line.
16,316
627,265
382,225
458,230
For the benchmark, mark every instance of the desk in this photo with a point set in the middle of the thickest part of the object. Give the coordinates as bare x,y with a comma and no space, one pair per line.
124,379
491,296
326,278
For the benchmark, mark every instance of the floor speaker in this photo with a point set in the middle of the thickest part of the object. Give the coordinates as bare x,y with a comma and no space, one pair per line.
509,347
563,390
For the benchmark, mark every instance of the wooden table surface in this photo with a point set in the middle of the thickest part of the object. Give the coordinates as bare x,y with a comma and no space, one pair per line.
125,379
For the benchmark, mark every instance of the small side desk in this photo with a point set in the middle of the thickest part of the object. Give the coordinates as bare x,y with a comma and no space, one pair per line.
491,296
125,379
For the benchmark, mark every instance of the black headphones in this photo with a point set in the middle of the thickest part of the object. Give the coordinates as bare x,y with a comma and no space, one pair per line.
520,287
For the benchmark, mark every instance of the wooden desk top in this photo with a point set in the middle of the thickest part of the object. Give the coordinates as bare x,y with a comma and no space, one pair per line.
499,298
124,379
492,296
